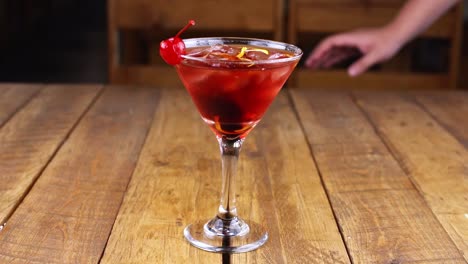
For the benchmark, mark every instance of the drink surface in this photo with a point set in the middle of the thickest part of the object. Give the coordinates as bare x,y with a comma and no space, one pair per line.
232,86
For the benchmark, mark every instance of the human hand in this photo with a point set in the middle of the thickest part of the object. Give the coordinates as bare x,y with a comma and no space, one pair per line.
375,45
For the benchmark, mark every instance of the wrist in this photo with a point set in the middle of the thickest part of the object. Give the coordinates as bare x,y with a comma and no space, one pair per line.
396,34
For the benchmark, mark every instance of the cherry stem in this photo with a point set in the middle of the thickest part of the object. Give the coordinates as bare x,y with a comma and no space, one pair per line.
190,23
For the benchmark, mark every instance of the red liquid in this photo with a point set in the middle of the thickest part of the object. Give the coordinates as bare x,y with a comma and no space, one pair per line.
232,98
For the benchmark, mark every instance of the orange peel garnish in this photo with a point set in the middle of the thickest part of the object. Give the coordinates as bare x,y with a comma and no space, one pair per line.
259,50
245,50
242,52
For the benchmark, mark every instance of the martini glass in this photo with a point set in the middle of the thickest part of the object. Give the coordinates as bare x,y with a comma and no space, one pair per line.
232,81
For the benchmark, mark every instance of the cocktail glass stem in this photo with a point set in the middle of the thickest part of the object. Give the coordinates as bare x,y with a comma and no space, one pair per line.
230,150
226,222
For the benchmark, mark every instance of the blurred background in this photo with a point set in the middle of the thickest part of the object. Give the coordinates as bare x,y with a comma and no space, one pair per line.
53,41
116,41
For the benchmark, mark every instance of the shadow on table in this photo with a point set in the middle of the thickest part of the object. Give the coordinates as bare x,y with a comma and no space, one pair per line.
226,258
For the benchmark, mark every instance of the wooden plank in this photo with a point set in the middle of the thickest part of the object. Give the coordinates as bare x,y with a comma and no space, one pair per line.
307,228
13,97
223,14
113,53
436,161
160,76
450,109
291,23
177,181
68,215
279,19
30,139
370,80
366,3
382,216
456,44
338,18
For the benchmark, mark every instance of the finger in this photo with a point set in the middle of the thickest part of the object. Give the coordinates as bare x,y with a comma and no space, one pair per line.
340,55
325,46
321,49
334,60
330,58
363,64
319,62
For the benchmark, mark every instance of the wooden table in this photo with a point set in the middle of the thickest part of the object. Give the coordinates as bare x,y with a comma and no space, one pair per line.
93,174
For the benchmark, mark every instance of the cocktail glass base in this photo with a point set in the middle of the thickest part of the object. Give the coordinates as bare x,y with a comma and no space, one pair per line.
226,236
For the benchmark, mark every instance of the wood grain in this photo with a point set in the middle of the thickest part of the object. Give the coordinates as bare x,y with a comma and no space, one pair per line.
338,18
177,182
366,3
68,214
307,228
33,135
223,14
13,97
450,109
158,76
456,44
436,161
305,78
383,217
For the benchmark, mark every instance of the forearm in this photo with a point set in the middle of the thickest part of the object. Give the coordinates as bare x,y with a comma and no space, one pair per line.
416,16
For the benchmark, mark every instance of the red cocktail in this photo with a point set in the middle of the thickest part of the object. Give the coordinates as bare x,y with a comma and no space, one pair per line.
233,85
232,81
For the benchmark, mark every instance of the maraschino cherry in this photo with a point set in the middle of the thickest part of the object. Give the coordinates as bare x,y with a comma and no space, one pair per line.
171,49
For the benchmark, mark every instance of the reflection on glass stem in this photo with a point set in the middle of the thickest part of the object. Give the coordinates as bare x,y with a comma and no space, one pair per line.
230,149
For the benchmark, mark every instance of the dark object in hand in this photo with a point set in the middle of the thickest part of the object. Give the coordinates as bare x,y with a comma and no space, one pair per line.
338,57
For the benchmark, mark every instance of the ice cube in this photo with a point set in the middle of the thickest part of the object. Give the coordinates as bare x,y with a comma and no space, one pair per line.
278,55
256,55
229,50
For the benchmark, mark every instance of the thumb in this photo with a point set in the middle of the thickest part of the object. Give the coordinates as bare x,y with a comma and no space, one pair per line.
363,64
